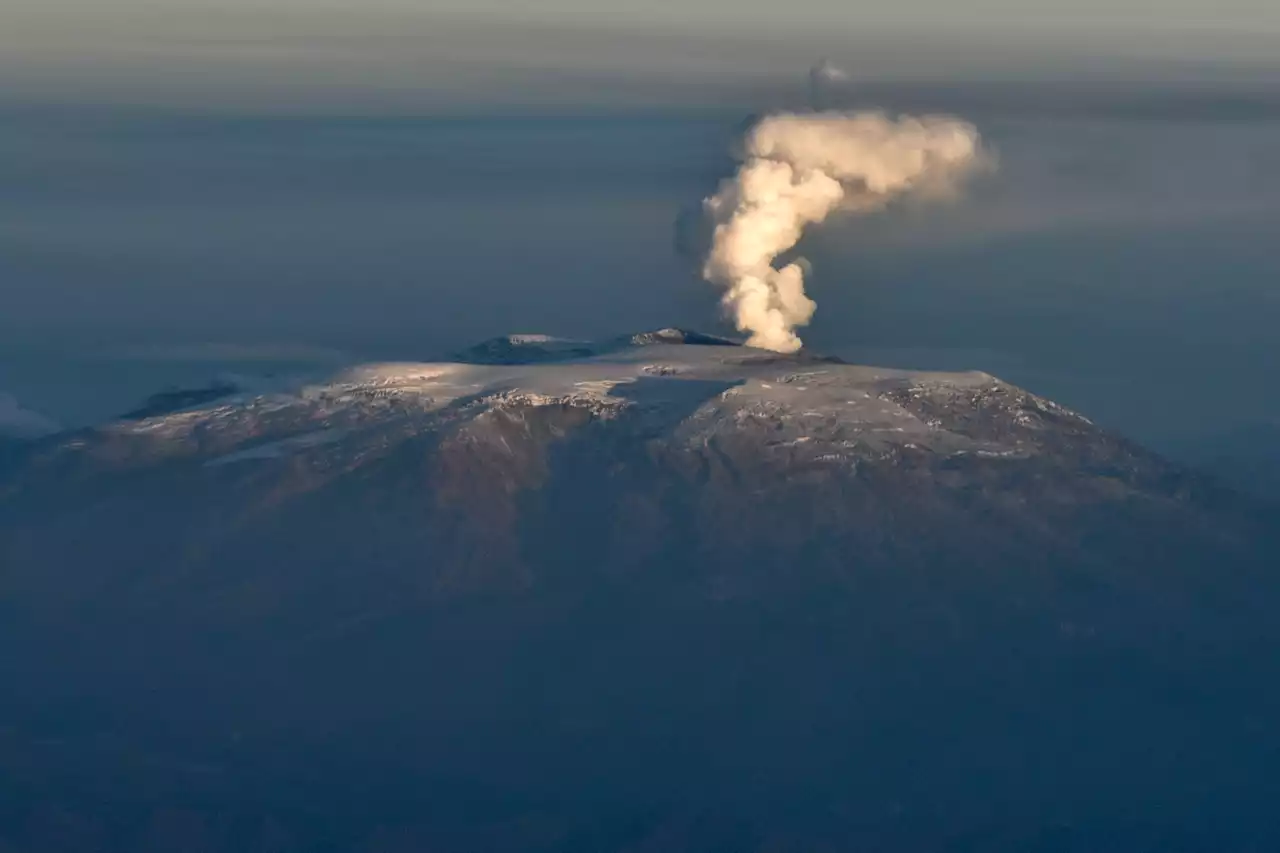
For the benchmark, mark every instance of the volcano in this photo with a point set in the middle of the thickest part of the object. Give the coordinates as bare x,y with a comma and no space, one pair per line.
662,592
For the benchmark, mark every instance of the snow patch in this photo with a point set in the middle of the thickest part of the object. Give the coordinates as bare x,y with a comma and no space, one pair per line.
539,339
279,449
867,412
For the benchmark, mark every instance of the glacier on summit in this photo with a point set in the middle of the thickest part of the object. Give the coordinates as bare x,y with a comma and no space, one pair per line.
839,411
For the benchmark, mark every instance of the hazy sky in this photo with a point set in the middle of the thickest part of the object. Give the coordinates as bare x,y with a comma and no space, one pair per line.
912,13
1144,14
376,54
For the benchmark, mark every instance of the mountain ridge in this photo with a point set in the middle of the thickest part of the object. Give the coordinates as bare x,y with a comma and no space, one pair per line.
611,590
653,406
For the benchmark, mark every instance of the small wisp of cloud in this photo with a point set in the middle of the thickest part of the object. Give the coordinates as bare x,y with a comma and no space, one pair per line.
18,422
823,77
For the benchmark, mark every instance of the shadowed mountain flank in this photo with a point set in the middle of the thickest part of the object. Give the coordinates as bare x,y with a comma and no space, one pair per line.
664,592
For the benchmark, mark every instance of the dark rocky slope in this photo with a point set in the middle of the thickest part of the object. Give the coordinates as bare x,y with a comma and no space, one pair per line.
656,596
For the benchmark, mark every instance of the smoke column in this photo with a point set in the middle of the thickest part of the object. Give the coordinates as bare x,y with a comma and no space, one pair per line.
797,169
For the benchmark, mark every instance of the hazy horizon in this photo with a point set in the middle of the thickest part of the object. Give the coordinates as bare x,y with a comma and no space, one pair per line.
390,56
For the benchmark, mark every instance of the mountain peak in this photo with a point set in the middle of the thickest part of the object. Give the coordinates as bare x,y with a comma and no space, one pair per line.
679,336
411,542
524,349
541,348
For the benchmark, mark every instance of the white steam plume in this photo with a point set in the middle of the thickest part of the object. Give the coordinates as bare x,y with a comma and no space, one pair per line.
797,169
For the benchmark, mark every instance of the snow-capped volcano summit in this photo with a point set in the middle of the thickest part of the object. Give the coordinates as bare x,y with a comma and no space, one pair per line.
666,553
702,433
697,386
